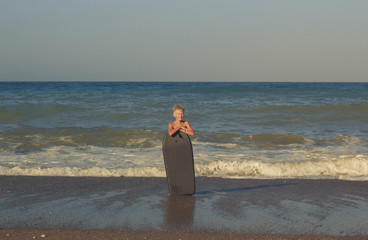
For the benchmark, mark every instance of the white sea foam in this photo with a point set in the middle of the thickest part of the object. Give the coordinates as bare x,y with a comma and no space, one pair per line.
115,162
347,169
228,145
344,168
343,157
84,172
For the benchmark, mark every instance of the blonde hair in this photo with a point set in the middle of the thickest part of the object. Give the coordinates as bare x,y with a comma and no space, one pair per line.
178,107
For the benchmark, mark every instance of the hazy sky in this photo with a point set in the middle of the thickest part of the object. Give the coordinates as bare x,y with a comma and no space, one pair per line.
188,40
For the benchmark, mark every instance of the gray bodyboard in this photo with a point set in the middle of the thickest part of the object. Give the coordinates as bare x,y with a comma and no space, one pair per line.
179,163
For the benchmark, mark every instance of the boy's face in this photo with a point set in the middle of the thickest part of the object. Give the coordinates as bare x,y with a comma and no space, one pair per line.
179,115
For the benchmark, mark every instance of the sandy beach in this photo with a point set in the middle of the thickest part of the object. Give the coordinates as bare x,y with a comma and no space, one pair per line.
141,208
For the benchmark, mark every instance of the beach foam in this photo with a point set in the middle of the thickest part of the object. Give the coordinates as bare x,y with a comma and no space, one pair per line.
116,162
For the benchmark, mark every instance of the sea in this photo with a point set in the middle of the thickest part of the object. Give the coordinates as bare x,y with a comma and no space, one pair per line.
244,130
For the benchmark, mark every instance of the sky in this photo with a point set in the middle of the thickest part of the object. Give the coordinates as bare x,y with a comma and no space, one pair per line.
191,40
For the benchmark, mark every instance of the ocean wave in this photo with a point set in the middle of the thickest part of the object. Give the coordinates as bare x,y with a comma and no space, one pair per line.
83,172
218,138
275,141
7,116
282,139
363,107
27,112
344,168
349,140
24,140
275,138
27,139
310,113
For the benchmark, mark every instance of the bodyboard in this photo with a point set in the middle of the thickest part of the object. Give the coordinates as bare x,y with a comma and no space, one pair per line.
179,164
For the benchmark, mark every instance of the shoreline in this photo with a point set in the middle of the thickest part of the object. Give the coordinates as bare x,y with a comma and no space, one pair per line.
134,207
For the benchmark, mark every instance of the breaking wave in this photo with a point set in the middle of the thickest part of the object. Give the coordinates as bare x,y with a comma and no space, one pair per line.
34,139
345,169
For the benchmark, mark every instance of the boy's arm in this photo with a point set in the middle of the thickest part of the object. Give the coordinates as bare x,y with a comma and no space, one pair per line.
173,129
188,130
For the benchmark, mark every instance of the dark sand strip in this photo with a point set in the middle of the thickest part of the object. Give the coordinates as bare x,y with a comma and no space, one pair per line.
141,207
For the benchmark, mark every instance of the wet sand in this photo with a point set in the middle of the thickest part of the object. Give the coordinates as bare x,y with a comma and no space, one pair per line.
139,208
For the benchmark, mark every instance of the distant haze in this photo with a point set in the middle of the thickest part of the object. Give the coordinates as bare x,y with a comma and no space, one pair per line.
209,40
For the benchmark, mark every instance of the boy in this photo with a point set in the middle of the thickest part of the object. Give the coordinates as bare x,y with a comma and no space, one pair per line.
179,124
